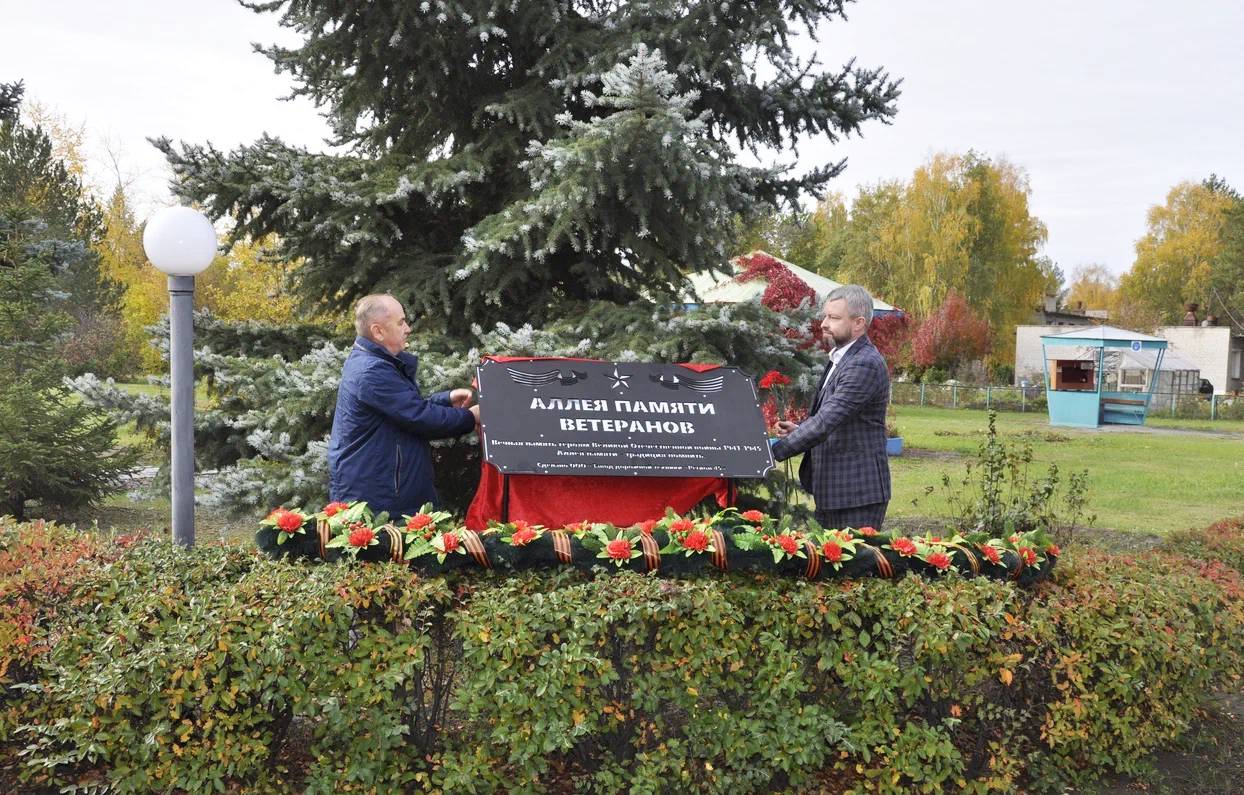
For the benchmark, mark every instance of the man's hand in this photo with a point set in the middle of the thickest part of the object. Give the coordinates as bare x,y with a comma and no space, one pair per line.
475,410
462,399
786,426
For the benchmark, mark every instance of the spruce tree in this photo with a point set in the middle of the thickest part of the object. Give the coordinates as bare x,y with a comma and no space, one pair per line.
499,161
33,177
53,448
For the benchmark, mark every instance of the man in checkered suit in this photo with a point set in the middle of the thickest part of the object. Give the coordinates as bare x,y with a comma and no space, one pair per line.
844,466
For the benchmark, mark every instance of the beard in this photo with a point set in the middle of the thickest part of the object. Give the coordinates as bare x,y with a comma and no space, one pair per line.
839,341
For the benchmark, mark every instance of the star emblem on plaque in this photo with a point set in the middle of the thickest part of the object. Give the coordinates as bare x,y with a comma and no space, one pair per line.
619,381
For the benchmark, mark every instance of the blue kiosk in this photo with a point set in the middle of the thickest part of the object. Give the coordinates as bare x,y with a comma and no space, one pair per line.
1075,378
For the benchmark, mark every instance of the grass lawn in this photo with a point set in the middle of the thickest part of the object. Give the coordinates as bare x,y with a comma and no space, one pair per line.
1171,474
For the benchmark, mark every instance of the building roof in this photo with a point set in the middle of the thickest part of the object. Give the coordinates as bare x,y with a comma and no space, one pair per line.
718,288
1145,360
1104,334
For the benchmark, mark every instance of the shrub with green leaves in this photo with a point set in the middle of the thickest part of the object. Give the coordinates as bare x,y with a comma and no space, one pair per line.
217,668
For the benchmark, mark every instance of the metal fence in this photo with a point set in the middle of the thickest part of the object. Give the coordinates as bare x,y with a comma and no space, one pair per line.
1032,398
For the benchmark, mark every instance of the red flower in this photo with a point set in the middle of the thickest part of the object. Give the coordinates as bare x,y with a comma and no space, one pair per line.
577,527
868,531
991,553
1014,539
361,536
1053,550
647,527
419,521
904,546
753,516
522,535
934,539
682,526
450,542
619,549
831,551
289,521
696,541
333,508
1028,555
939,561
773,378
788,544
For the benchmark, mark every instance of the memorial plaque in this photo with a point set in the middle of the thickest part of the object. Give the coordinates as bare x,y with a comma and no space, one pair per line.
565,417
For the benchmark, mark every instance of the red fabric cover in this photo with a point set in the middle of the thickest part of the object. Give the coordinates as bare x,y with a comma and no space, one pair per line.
559,500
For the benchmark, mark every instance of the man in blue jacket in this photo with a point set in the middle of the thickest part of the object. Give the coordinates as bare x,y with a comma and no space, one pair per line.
844,464
379,449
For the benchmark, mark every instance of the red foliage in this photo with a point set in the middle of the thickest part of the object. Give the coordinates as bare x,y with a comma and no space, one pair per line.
784,291
890,332
40,564
952,335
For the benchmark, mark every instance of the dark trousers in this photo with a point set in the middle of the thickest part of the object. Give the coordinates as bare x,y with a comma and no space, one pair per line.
860,516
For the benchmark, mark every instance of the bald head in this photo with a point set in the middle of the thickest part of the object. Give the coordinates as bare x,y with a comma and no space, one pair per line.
381,319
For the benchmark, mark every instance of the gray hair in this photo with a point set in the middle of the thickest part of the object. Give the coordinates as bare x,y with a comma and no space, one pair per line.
859,302
370,309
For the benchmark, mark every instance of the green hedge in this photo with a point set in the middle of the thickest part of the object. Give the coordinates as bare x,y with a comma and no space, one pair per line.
217,668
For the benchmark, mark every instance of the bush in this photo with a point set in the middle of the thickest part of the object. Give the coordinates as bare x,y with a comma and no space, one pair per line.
216,668
1220,542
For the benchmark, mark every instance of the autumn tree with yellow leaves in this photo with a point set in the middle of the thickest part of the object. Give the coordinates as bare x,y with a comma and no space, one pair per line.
1180,260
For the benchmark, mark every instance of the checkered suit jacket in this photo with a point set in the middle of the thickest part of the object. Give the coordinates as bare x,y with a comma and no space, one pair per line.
845,465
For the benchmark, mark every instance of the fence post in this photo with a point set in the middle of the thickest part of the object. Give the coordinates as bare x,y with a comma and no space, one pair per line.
1213,406
988,397
921,393
1023,399
954,396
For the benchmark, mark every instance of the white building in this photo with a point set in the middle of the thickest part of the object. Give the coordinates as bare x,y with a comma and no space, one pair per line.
1216,351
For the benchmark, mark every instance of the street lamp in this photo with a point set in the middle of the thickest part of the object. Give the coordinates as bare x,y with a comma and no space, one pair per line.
181,242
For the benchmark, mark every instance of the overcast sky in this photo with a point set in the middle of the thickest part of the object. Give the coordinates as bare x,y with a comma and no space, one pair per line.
1105,103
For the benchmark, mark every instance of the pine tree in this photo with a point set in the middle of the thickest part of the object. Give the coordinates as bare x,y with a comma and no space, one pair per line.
500,161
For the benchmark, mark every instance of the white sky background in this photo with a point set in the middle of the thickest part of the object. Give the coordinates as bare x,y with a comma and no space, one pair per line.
1105,103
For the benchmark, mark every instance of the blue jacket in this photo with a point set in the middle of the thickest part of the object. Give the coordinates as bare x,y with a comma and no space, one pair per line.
379,449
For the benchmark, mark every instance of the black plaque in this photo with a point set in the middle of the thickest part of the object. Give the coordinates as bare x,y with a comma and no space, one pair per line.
565,417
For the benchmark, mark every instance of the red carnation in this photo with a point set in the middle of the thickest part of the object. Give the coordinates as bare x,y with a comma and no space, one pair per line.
1028,555
619,549
773,378
289,521
450,542
788,544
361,536
991,552
522,535
904,546
831,551
868,531
419,521
939,561
753,516
333,508
1053,550
696,541
1014,539
647,527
